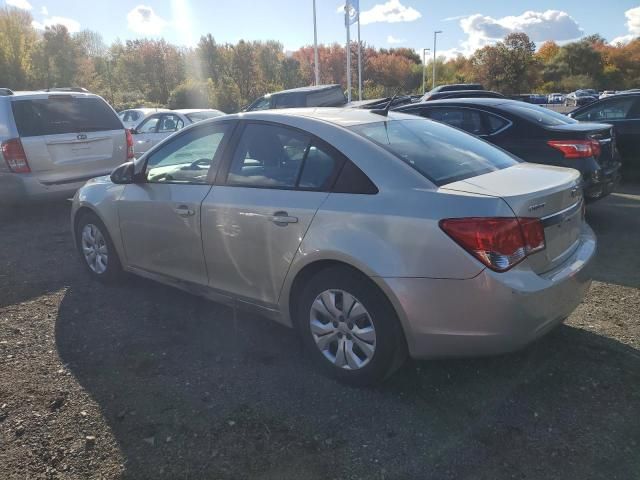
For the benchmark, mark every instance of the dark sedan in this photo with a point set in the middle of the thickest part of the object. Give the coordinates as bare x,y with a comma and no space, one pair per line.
623,112
535,134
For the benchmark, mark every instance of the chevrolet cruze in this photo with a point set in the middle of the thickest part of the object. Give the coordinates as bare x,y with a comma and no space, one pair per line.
376,235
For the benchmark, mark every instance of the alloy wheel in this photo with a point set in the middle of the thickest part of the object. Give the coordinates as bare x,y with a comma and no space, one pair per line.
94,248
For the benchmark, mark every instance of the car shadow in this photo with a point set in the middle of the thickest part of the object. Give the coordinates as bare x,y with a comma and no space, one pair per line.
191,390
616,221
37,254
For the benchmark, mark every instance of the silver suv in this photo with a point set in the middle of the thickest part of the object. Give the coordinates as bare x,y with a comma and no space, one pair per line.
51,143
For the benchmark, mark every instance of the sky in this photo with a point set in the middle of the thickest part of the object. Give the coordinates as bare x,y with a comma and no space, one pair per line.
465,24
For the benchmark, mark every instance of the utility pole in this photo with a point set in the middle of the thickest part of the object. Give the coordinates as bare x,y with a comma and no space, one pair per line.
347,24
435,36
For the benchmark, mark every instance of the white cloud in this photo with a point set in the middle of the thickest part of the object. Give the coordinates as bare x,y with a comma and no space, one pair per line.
395,41
391,12
44,10
143,20
23,4
72,25
483,30
633,25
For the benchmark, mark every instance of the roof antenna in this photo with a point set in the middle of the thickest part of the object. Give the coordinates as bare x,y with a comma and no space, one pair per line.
384,111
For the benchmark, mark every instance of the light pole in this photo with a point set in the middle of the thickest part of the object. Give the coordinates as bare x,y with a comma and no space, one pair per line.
315,45
435,36
424,70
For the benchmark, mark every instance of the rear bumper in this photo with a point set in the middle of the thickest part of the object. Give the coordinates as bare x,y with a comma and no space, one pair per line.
18,188
600,183
492,313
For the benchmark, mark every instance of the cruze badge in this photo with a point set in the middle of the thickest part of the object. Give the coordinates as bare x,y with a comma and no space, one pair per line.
538,206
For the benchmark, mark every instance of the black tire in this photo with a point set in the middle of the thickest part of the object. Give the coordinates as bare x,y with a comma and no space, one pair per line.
113,269
390,345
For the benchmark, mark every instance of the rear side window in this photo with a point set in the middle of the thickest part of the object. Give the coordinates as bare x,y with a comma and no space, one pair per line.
614,109
495,123
440,153
63,114
326,98
463,118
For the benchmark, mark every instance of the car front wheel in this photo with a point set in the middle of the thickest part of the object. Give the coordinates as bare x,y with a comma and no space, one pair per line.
350,328
96,248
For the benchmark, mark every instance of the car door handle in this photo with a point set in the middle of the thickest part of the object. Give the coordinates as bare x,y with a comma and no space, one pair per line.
282,219
184,211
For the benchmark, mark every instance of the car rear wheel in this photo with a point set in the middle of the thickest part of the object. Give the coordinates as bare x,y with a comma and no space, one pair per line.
349,327
96,248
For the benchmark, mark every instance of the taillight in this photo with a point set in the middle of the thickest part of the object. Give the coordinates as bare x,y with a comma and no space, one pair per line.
14,155
499,243
577,148
130,154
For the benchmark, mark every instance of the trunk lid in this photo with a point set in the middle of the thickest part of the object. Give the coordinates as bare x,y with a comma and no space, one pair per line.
552,194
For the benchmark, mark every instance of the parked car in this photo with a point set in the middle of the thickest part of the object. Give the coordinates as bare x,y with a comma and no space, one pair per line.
132,117
555,98
353,227
158,126
315,96
623,112
578,98
396,101
535,134
464,94
453,87
53,142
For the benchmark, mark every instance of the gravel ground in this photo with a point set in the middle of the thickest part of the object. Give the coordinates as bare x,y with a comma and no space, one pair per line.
143,381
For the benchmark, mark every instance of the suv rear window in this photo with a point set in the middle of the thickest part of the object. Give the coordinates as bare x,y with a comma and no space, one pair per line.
440,153
63,114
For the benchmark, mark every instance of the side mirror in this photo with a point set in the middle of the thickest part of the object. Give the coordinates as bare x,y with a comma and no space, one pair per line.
123,174
133,131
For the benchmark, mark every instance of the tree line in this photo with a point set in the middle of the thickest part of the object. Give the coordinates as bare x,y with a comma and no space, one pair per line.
149,72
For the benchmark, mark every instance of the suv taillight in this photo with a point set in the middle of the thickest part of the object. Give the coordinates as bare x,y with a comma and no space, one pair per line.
499,243
130,154
14,155
577,148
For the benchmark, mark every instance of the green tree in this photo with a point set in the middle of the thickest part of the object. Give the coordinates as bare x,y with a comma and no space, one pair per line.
18,42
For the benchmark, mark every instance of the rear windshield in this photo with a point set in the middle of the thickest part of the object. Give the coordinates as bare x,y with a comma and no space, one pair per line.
439,152
63,114
539,115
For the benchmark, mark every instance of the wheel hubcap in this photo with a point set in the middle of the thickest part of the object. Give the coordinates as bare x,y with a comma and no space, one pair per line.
94,248
342,329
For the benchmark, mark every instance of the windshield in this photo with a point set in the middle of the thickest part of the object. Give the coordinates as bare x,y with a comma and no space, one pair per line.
539,115
441,153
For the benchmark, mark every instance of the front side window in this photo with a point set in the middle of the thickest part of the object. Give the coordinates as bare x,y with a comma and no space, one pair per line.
149,125
614,109
263,103
273,156
188,158
441,154
170,123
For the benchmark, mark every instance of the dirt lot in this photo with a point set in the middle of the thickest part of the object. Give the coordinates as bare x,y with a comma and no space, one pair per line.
142,381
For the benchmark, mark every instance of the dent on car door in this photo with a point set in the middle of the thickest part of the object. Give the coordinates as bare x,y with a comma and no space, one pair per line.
254,220
160,215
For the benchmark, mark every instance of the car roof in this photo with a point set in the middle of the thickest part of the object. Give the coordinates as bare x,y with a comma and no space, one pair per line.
185,111
312,88
344,117
42,94
485,101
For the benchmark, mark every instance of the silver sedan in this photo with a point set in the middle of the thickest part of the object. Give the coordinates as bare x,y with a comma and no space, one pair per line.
375,234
